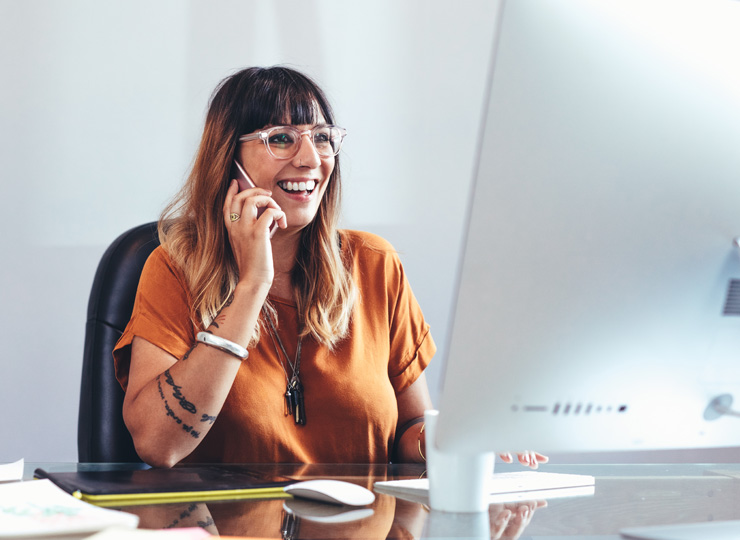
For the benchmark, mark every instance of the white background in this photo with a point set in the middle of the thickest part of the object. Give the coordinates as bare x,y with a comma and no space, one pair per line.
101,108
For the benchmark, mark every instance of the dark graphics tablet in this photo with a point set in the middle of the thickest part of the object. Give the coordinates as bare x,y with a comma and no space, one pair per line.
151,486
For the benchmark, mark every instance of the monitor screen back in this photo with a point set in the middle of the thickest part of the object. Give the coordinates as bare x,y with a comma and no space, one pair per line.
598,301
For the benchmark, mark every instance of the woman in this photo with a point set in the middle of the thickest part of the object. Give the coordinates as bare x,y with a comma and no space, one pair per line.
337,344
261,332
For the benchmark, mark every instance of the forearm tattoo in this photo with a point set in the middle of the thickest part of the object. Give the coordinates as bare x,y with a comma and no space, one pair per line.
183,515
207,523
184,403
179,521
188,429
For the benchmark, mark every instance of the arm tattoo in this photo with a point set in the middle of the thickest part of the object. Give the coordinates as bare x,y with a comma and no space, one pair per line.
171,413
207,523
209,419
184,403
187,354
219,318
186,514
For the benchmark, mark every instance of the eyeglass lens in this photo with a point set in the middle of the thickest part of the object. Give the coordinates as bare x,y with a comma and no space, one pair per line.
285,141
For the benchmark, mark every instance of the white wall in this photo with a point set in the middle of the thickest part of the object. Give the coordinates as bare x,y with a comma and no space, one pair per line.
101,107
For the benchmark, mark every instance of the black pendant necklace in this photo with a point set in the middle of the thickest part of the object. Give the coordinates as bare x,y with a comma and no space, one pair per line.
294,403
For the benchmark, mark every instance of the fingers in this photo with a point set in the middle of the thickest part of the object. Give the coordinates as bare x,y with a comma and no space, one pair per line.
511,520
233,189
500,522
532,459
520,519
506,457
528,458
248,206
280,219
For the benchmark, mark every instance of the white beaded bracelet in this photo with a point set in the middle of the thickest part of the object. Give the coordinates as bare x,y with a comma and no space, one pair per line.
222,344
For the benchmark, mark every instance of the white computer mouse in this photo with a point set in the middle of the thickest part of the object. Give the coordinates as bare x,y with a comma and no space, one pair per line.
332,491
321,512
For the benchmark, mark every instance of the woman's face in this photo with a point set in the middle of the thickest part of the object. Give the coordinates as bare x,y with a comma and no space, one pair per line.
290,180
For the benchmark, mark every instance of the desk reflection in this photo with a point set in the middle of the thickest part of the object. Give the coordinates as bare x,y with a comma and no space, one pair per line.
388,517
626,495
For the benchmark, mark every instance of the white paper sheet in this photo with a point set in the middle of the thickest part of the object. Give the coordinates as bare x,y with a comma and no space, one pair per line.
38,507
11,471
192,533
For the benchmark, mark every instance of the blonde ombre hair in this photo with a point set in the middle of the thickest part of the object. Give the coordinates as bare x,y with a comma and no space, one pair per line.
191,228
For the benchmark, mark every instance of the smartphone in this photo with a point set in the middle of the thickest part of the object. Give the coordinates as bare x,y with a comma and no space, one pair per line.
242,178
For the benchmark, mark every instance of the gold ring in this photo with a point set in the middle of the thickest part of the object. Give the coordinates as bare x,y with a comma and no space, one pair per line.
234,216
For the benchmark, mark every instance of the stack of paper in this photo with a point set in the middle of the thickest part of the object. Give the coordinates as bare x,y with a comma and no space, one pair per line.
11,471
38,507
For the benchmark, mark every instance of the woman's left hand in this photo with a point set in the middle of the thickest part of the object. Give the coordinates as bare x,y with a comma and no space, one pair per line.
529,458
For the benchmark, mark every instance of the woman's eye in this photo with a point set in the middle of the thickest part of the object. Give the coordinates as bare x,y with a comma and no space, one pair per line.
281,139
321,138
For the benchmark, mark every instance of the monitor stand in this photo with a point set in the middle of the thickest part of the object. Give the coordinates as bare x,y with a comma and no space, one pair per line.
457,482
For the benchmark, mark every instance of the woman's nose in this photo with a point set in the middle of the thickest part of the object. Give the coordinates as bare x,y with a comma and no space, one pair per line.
307,155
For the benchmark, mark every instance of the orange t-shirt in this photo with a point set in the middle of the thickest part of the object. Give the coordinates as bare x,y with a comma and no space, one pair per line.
350,393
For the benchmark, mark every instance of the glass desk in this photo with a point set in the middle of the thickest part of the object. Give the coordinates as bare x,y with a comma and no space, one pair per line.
625,496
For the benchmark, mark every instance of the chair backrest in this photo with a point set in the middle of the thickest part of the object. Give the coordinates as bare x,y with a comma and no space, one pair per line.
101,434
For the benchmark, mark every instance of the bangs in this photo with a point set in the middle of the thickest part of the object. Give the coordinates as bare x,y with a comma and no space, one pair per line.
279,97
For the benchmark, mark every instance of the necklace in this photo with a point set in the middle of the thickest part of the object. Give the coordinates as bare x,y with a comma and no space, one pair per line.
294,388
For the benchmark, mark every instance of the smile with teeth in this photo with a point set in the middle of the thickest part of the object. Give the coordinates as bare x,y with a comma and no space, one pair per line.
308,186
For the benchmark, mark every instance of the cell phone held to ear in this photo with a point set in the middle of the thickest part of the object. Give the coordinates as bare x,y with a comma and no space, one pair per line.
242,178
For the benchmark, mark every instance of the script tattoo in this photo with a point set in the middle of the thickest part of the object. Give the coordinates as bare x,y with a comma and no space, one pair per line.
186,514
184,403
188,429
209,419
187,354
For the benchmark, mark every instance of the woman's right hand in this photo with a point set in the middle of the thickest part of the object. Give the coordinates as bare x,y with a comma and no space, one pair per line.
165,432
249,234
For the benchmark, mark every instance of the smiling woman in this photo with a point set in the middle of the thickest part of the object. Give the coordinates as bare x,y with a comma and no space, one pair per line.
251,343
289,167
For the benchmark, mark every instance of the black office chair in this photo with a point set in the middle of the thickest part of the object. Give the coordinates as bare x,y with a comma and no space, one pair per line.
101,434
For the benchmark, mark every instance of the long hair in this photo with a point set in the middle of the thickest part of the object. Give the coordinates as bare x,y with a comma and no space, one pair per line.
191,227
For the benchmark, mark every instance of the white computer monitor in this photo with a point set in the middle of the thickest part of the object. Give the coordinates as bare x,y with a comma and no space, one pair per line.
598,299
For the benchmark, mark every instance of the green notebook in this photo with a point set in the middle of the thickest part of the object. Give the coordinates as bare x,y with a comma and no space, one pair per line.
153,486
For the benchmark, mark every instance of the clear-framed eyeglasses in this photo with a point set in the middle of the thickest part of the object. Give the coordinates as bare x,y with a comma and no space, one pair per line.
283,142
